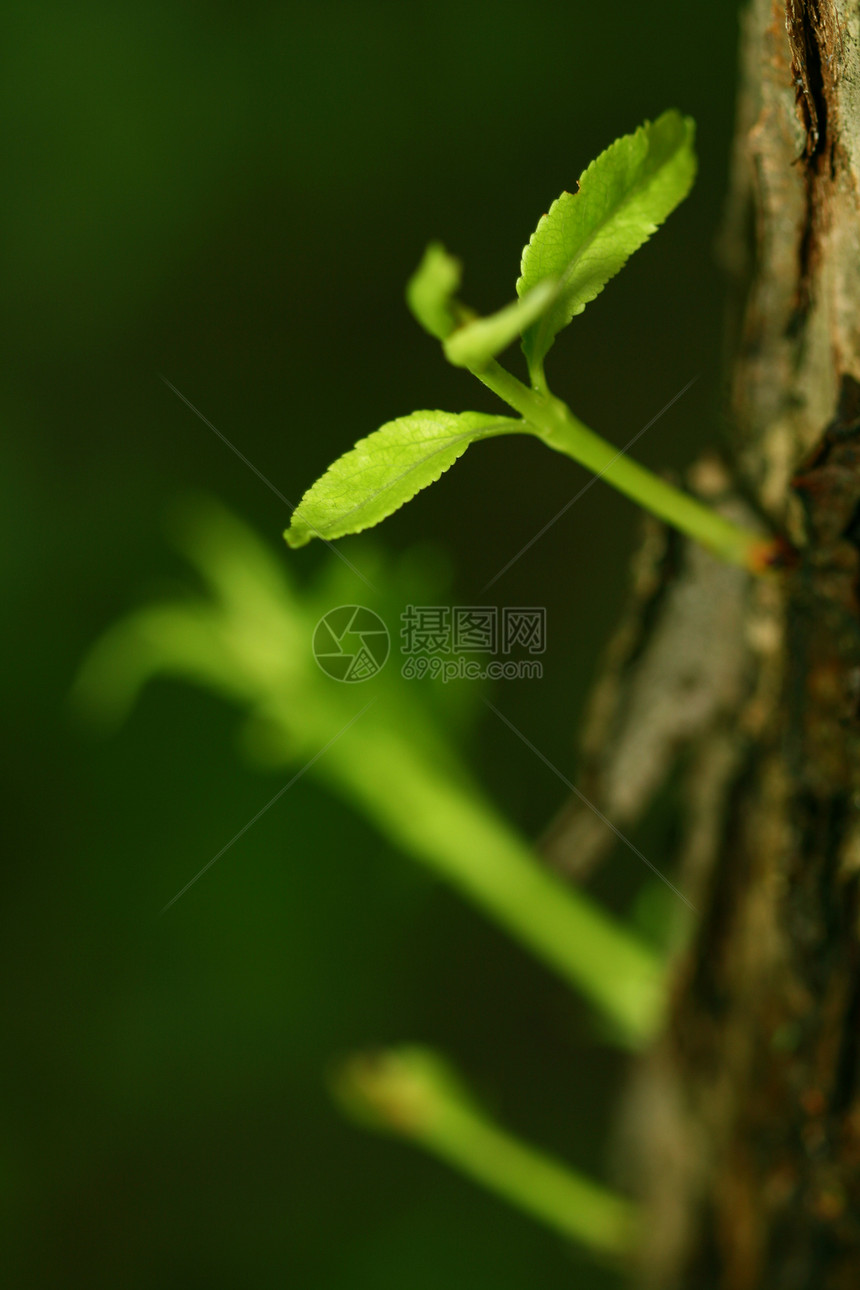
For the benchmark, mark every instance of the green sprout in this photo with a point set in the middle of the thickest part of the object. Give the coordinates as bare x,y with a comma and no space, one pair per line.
248,641
245,638
584,240
414,1093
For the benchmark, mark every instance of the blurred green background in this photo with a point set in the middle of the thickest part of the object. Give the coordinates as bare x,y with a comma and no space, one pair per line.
234,197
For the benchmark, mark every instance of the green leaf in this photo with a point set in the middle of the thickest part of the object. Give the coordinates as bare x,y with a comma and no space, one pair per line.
387,469
477,342
430,291
587,236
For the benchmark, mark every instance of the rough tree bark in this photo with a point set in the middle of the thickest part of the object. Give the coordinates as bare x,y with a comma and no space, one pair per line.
755,1088
751,1101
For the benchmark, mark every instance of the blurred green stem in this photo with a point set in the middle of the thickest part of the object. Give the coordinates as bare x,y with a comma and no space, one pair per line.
463,838
252,644
413,1093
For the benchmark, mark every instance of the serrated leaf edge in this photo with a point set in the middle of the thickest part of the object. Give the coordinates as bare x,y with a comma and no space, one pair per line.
503,425
689,130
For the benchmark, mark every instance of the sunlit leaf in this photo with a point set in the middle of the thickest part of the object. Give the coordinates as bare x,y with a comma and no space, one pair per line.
386,469
474,344
587,236
431,289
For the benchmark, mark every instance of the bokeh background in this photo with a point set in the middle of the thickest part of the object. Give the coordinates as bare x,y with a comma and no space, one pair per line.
233,196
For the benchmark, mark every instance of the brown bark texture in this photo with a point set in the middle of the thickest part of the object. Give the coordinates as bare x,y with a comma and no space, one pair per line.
751,1100
748,1109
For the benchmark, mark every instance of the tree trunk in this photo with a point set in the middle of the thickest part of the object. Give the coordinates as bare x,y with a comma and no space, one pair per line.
752,1097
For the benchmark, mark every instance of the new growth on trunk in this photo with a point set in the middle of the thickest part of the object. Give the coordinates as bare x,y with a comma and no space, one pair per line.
752,1096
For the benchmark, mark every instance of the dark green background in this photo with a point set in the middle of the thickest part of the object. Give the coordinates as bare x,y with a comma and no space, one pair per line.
234,196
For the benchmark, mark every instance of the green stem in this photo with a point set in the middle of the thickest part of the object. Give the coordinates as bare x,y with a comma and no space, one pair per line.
464,840
553,421
414,1093
538,378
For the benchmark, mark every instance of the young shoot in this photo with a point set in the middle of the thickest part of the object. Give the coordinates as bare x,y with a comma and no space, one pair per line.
415,1094
585,238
